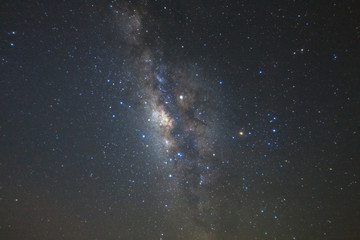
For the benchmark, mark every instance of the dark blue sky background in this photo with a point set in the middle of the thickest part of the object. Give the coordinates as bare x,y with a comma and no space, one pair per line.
258,102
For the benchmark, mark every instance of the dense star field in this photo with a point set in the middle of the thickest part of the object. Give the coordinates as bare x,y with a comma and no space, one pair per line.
179,120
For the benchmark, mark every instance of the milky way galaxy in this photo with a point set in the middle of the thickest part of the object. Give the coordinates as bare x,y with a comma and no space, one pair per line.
179,120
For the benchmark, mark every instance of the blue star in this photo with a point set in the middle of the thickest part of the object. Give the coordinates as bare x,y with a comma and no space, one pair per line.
113,115
220,82
260,72
143,136
179,154
274,130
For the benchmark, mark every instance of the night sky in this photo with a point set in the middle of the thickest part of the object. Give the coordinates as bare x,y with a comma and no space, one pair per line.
179,120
